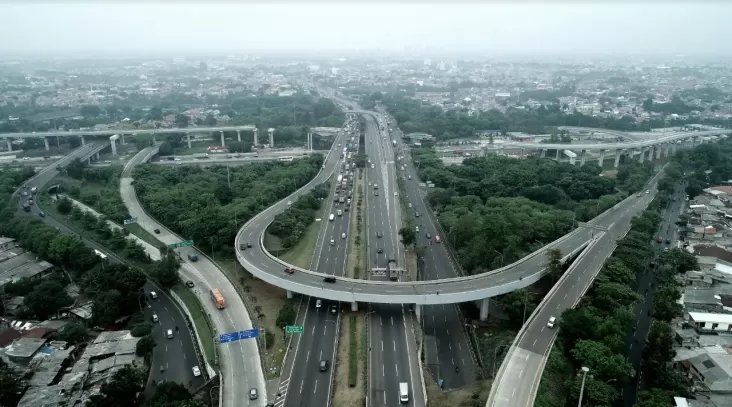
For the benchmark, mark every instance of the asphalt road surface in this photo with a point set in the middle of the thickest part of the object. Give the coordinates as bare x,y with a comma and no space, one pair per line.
177,355
393,358
518,380
307,385
637,334
239,361
443,322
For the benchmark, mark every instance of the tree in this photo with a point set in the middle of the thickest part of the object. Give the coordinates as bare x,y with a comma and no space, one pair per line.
656,398
64,206
210,120
172,394
122,390
145,345
518,305
166,270
408,235
554,265
602,361
182,120
46,298
12,385
141,329
73,333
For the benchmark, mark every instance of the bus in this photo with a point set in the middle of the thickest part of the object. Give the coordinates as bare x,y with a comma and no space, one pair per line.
218,299
286,158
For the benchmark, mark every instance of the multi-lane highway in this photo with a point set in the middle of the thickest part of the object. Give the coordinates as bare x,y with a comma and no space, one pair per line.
518,379
455,363
393,357
307,385
177,356
240,365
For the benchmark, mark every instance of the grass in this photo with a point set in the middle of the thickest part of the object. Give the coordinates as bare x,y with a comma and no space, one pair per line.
301,255
552,390
264,302
200,320
357,240
473,395
345,395
352,352
143,234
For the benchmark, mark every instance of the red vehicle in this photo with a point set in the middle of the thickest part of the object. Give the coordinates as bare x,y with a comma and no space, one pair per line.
289,270
437,238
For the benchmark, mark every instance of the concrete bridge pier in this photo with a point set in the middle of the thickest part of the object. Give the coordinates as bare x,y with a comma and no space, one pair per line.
642,155
601,160
673,148
270,131
290,295
238,135
113,143
557,158
83,142
10,144
256,137
658,152
618,154
96,156
223,142
45,142
418,312
583,157
153,139
310,141
122,139
666,150
484,308
188,139
354,306
542,153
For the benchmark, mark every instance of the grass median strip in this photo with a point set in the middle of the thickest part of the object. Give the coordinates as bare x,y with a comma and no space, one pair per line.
350,391
200,320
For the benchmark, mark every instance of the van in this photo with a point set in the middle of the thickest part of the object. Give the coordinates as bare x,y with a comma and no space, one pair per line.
340,212
332,217
403,393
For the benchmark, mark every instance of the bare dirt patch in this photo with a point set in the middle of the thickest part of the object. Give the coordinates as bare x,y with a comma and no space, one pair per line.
474,395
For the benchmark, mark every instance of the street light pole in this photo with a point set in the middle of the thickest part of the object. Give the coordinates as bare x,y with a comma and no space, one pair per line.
495,356
582,388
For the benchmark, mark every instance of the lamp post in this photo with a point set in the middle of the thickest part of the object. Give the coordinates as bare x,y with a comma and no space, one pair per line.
582,387
495,356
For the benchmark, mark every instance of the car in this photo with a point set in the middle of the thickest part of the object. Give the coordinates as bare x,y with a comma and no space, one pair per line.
369,185
659,239
376,193
196,371
318,303
648,191
409,204
416,229
153,295
665,249
668,241
427,235
379,250
409,177
249,245
324,365
552,321
329,279
42,214
416,214
169,334
242,246
289,203
253,394
379,234
639,194
332,242
395,193
155,318
333,309
189,283
289,270
157,231
343,235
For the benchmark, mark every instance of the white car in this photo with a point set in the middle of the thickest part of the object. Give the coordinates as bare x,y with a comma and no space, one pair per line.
196,371
318,303
343,235
552,321
332,242
648,191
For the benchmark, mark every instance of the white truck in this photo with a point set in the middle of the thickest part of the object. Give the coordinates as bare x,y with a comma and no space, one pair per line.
403,393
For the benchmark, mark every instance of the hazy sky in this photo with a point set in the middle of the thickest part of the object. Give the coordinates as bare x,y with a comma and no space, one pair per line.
224,27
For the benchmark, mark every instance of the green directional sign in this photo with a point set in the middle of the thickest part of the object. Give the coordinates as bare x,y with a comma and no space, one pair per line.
185,243
294,329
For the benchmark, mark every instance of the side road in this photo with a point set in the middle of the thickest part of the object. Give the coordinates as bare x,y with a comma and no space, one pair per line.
239,362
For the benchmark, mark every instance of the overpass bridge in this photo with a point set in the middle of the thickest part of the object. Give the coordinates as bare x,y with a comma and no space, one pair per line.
481,287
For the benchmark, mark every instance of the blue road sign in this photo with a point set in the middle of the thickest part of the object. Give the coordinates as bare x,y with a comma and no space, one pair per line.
235,336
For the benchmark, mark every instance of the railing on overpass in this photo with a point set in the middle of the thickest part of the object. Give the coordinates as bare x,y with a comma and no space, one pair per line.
112,132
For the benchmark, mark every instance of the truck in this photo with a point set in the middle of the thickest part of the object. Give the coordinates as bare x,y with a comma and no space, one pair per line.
340,212
341,199
393,272
340,178
218,299
403,393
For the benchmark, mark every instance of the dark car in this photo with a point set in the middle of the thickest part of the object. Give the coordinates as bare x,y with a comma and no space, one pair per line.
379,250
249,245
660,239
668,241
329,279
324,365
189,283
379,234
157,231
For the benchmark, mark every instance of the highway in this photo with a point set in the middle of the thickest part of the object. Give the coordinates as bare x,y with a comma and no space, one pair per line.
442,322
393,357
177,355
240,365
112,132
519,376
307,385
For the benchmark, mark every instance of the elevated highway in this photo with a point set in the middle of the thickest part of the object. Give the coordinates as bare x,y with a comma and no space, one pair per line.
443,291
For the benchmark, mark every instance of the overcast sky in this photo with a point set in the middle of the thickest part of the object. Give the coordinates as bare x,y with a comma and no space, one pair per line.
671,28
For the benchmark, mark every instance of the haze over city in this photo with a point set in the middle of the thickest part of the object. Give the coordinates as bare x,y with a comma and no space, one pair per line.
467,28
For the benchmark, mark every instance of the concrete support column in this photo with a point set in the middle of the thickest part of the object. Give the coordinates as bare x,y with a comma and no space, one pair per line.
602,158
238,135
290,295
153,139
557,159
618,154
270,131
572,160
122,139
658,152
188,139
45,142
693,141
310,141
484,307
666,150
542,153
96,156
256,137
354,306
418,312
642,154
583,157
223,142
83,142
10,144
113,143
673,148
